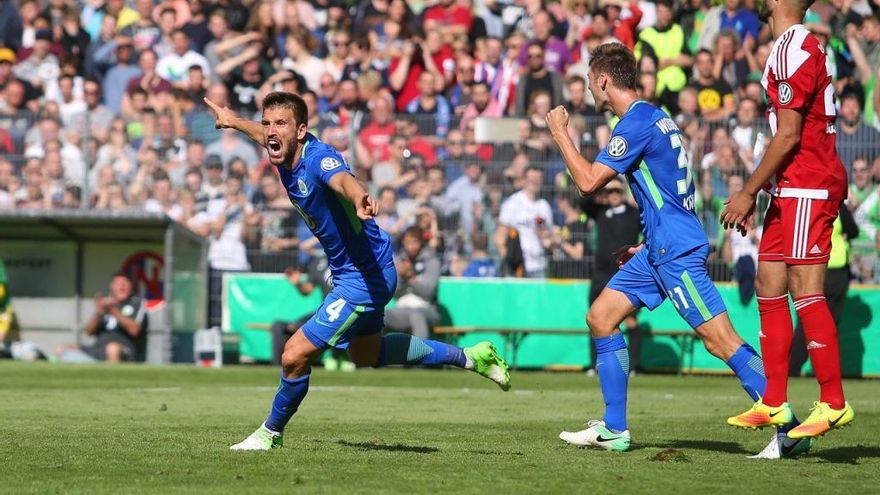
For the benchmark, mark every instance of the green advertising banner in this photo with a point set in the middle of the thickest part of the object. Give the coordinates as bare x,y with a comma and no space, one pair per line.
550,305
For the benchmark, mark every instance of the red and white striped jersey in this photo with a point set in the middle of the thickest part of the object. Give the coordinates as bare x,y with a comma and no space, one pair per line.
798,77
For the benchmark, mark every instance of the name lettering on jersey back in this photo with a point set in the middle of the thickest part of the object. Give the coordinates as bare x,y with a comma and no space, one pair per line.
667,125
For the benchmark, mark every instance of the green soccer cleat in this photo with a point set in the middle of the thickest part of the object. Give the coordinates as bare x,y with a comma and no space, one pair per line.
262,439
487,362
598,435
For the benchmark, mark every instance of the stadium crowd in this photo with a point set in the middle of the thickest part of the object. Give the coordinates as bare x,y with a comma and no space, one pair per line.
101,107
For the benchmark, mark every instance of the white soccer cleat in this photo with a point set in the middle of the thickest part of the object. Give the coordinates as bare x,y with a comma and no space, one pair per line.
597,435
783,447
262,439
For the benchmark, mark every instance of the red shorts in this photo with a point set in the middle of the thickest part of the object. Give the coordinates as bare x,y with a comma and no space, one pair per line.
798,230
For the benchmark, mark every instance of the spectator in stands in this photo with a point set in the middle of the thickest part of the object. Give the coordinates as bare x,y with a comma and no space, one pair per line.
741,252
374,138
115,9
538,78
482,104
96,117
623,26
224,224
432,109
860,186
577,103
213,186
731,65
740,19
387,218
557,55
299,47
418,269
173,67
744,132
714,96
416,57
570,243
41,65
481,265
854,138
531,216
118,76
119,325
507,76
464,194
665,41
275,232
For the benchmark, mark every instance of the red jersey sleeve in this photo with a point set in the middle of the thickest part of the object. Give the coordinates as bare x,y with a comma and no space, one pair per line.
799,76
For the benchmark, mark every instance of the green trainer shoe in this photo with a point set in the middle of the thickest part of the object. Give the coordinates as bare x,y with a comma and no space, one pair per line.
262,439
487,362
598,435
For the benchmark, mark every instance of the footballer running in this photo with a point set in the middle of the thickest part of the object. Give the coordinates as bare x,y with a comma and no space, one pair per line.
646,146
340,213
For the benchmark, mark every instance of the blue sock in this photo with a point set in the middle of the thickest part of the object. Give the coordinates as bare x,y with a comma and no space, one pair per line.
612,364
403,348
287,400
749,368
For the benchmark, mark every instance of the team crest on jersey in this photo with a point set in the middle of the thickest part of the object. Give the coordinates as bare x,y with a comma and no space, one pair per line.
302,186
617,146
785,93
329,163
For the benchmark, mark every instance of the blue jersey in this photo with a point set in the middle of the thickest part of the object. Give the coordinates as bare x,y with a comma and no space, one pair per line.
646,146
357,251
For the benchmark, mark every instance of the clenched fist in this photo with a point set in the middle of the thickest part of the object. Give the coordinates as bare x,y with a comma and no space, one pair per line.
557,120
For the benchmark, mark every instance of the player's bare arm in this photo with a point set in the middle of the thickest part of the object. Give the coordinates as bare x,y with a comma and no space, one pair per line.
353,191
227,119
741,205
588,177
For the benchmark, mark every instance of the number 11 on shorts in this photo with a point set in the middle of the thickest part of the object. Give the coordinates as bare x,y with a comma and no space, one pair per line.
677,291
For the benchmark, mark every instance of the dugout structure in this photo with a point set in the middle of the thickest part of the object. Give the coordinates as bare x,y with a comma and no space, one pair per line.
57,260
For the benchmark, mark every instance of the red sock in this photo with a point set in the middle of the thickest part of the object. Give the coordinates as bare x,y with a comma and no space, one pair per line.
777,333
821,335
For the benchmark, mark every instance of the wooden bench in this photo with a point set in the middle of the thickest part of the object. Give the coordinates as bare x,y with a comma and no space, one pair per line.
513,338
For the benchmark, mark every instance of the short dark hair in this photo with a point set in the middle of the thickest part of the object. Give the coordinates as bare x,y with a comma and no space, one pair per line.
414,231
288,100
617,62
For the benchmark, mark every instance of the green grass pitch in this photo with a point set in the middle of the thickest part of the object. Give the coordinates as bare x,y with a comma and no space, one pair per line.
142,429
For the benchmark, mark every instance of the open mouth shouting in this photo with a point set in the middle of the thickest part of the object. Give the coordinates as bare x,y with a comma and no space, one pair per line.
276,150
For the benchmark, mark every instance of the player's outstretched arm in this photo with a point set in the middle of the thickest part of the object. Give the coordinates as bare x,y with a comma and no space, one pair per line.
227,119
588,177
741,205
352,190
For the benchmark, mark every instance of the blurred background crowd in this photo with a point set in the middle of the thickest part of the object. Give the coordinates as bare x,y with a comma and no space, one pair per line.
101,108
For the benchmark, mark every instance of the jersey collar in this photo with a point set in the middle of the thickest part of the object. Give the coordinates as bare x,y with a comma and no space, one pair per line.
633,105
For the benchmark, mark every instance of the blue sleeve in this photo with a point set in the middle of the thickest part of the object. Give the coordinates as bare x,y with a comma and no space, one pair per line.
325,165
628,142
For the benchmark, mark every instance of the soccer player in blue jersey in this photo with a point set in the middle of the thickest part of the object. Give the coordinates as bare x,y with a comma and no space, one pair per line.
646,147
340,213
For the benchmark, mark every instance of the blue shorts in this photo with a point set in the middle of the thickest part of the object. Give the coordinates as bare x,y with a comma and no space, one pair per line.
684,280
347,313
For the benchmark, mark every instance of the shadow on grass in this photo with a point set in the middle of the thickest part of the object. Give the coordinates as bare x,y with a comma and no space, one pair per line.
388,448
846,455
707,445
